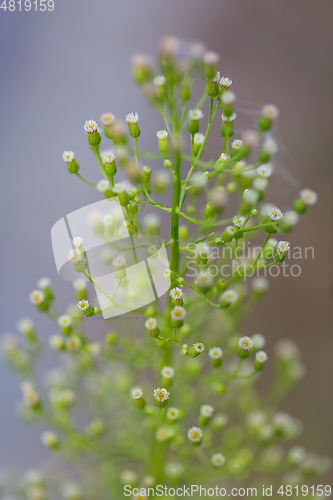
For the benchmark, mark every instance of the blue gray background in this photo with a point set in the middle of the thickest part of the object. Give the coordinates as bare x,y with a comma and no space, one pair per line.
60,68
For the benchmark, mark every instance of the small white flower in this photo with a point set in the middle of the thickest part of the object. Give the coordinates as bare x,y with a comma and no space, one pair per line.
9,343
194,434
33,476
107,220
270,146
229,297
197,49
275,214
210,58
206,411
204,280
258,341
217,77
228,97
25,325
270,112
107,119
308,197
103,186
64,320
198,139
83,304
260,284
224,157
215,353
90,126
162,434
225,82
49,439
36,297
264,170
73,343
238,221
93,348
297,454
108,156
167,372
151,324
250,196
173,413
77,242
169,46
159,80
151,222
132,118
30,397
176,293
283,247
195,114
162,134
250,138
137,393
80,285
74,256
199,347
141,61
236,144
260,184
161,394
94,220
128,477
290,218
202,250
198,180
119,262
229,119
282,421
56,342
261,357
245,343
68,156
178,313
218,460
119,187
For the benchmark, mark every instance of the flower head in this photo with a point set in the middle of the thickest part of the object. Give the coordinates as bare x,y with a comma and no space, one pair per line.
238,221
198,139
195,114
167,372
270,146
236,144
107,119
119,187
261,357
108,156
103,186
159,80
176,293
119,262
90,126
308,197
229,297
74,256
206,411
199,347
260,284
228,97
195,434
258,340
225,82
25,325
229,119
275,214
178,313
137,393
83,304
264,170
64,320
80,285
283,247
245,343
73,343
161,394
162,134
151,324
173,413
36,297
224,157
210,58
68,156
215,353
77,242
132,118
270,112
218,460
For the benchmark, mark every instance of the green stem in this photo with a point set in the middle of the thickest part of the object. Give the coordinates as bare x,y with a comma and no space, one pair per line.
85,180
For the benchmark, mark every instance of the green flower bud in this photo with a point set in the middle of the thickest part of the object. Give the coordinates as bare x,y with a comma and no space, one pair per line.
163,142
196,349
208,210
160,88
94,137
133,127
184,349
69,158
185,90
110,338
167,164
141,68
195,115
145,174
138,398
210,62
229,234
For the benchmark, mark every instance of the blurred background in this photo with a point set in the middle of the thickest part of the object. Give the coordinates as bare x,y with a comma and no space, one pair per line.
60,68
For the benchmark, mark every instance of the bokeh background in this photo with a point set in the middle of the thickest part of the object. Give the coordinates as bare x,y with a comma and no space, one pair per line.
60,68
